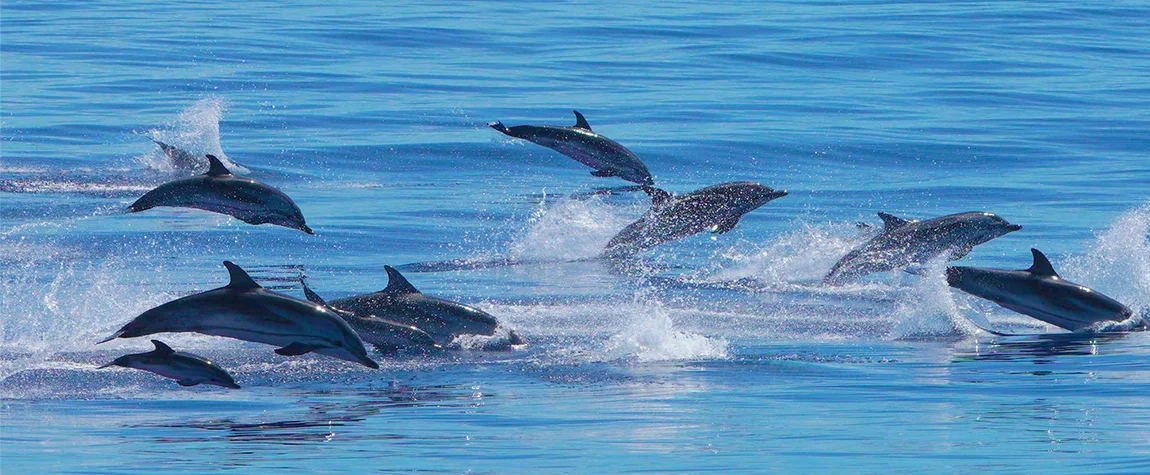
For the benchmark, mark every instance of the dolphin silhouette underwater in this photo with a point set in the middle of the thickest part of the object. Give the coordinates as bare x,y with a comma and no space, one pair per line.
606,156
187,369
903,242
385,335
717,208
219,191
1040,293
183,160
401,303
246,311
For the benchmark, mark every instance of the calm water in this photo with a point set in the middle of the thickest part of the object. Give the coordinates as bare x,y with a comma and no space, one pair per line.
720,355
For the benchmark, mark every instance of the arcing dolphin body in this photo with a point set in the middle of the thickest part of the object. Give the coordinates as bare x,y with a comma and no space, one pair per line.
186,368
245,311
219,191
401,303
717,208
1040,293
387,336
606,156
904,242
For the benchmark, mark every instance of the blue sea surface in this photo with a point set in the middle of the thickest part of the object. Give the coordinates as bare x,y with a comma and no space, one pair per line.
719,353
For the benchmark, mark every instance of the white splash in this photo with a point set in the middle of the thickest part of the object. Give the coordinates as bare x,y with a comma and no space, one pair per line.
1118,262
197,131
650,335
569,230
803,255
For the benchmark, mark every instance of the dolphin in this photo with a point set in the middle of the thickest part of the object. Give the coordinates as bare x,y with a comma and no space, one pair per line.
387,336
186,368
606,156
402,304
219,191
903,242
1040,293
184,160
245,311
716,208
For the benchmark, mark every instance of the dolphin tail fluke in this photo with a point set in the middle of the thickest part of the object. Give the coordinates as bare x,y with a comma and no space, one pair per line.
497,125
112,337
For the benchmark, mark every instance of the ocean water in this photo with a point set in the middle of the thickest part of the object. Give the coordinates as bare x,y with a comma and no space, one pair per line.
720,353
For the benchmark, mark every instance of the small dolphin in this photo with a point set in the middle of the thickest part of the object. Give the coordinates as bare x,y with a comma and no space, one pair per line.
400,303
184,160
387,336
606,156
1040,293
186,368
219,191
904,242
245,311
717,208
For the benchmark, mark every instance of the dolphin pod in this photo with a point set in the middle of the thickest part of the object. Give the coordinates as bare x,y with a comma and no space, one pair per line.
903,242
606,156
400,303
219,191
401,317
1040,293
187,369
246,311
385,335
717,208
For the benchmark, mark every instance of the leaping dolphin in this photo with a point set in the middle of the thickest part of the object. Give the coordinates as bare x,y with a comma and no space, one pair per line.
606,156
387,336
219,191
1040,293
245,311
903,242
401,303
717,208
186,368
184,160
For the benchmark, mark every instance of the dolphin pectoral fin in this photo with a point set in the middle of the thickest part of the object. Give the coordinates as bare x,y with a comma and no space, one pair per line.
603,173
187,382
296,349
726,226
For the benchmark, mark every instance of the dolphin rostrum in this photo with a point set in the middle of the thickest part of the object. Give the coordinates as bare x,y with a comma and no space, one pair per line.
606,156
245,311
717,208
1040,293
401,303
186,368
904,242
387,336
219,191
184,160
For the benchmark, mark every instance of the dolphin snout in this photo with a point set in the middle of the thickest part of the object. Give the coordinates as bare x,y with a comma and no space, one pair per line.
953,275
1013,227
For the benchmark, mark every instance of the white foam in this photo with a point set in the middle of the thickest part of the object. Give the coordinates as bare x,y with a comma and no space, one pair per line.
197,131
569,230
805,254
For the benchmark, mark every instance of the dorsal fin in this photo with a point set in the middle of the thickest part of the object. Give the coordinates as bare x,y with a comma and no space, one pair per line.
216,167
161,348
396,283
310,294
658,197
890,221
240,279
1041,266
580,122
